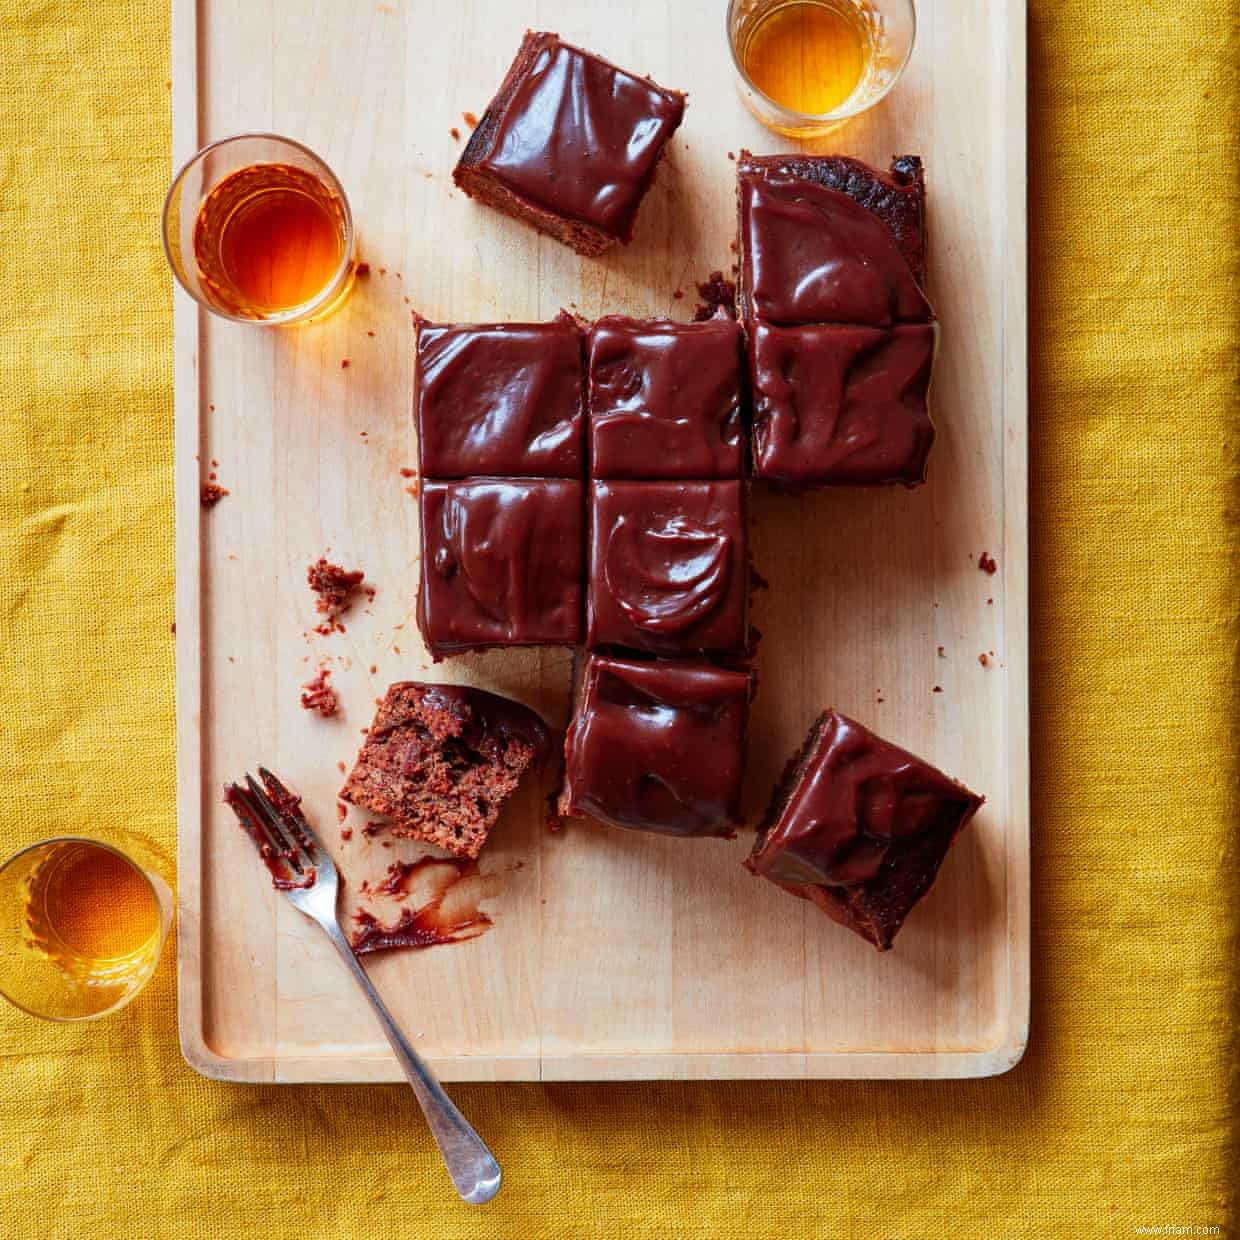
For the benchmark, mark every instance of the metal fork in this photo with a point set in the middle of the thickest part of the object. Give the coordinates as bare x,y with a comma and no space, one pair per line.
302,868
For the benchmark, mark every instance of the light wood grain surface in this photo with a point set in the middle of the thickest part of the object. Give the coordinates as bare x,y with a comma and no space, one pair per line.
614,955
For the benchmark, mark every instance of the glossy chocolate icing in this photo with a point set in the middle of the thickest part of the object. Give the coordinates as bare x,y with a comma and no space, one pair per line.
664,398
483,721
501,563
897,196
669,567
502,399
860,827
841,406
658,746
812,254
580,137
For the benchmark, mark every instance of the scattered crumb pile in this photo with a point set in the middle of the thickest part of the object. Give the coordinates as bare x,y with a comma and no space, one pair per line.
336,588
318,695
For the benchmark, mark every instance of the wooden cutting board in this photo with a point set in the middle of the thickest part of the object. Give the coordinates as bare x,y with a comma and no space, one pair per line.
614,955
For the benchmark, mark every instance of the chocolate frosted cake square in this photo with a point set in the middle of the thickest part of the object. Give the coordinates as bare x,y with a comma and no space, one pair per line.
439,761
569,144
657,746
860,827
841,406
664,398
499,399
669,568
501,564
827,239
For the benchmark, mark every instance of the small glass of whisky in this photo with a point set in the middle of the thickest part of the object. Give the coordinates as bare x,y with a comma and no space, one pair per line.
804,66
82,927
257,228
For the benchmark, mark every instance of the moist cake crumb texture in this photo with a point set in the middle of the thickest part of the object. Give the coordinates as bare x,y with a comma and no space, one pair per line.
318,695
333,585
439,762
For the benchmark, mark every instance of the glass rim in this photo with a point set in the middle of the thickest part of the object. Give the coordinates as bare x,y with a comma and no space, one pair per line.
165,926
330,290
844,111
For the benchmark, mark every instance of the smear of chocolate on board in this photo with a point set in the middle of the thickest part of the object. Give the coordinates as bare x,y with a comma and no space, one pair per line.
447,889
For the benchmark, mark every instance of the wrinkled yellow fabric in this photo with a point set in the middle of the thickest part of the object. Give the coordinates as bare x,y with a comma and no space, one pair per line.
1124,1112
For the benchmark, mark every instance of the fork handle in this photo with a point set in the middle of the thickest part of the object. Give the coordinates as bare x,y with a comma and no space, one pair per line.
471,1165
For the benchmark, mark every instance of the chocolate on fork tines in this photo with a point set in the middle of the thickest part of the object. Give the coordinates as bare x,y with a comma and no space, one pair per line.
272,817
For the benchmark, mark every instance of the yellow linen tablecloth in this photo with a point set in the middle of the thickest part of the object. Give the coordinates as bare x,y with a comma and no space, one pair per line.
1124,1113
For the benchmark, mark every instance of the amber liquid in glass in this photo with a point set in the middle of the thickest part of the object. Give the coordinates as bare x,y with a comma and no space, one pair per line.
94,916
809,55
268,239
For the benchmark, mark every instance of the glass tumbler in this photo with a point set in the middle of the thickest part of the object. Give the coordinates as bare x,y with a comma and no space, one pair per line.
258,229
803,67
82,928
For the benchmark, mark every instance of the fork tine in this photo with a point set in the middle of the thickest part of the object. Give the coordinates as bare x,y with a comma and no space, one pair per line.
287,806
238,800
289,844
273,783
270,843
